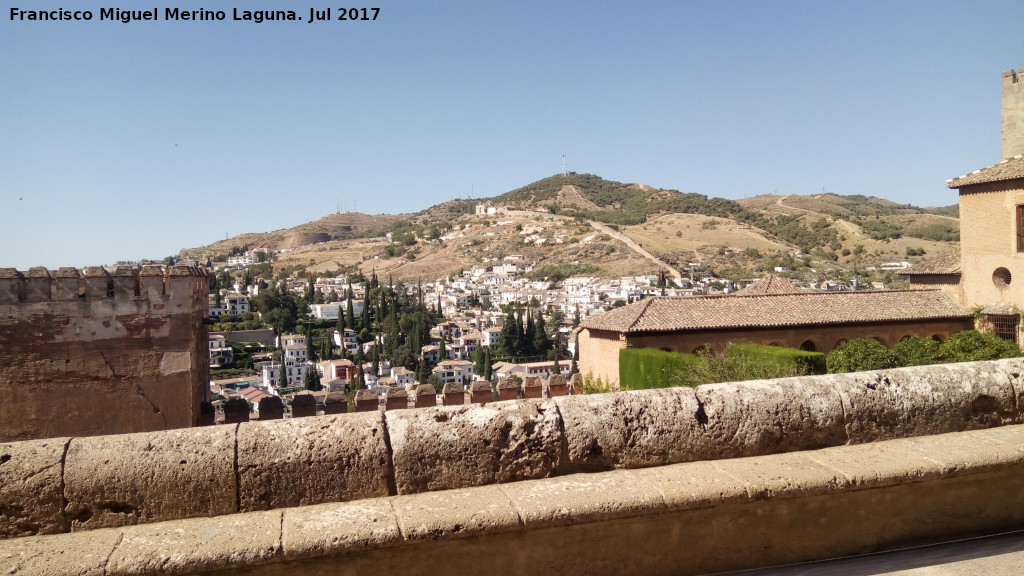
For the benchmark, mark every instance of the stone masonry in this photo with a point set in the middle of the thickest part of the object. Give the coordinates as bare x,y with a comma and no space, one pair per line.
87,352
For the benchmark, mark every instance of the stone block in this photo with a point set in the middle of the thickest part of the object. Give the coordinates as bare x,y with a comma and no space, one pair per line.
338,528
366,401
925,400
770,416
454,394
556,385
793,474
84,554
236,410
303,405
336,403
461,446
576,383
508,389
693,485
480,393
207,413
271,408
150,477
426,396
198,545
878,464
455,514
31,495
533,387
582,498
304,461
396,399
632,429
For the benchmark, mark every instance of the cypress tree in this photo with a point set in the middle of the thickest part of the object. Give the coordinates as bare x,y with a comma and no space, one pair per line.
529,334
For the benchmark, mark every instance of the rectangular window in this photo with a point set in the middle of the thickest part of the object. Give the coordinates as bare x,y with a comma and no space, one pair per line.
1005,326
1019,221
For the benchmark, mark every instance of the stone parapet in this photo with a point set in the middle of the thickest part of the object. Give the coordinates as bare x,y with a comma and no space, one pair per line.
158,476
91,351
685,519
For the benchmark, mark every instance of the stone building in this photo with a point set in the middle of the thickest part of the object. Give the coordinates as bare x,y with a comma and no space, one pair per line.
87,352
816,321
988,274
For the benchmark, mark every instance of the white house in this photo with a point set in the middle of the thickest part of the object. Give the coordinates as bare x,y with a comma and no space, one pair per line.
458,371
220,352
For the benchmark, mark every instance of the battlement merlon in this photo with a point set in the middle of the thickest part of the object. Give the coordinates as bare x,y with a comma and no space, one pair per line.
94,283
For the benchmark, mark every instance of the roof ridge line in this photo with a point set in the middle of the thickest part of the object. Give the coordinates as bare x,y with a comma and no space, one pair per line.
647,304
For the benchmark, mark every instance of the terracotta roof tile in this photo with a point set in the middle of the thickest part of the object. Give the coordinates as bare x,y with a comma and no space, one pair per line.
1009,169
770,284
948,263
672,313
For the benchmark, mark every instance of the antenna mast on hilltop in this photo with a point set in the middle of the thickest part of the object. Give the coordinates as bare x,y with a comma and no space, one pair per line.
565,166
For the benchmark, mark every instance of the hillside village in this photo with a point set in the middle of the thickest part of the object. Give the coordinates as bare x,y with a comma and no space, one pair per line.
479,266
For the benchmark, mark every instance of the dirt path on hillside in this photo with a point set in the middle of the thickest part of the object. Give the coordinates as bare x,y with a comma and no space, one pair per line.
635,247
611,232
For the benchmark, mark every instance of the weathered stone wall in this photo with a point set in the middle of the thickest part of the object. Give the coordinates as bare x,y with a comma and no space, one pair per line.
55,485
1013,113
691,518
84,352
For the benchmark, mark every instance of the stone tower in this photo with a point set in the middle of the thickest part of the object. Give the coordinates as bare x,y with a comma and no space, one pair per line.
1013,113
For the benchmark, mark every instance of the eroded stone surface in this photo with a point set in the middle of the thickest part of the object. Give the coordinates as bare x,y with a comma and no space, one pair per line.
455,513
149,477
631,429
791,475
582,498
304,461
328,529
31,498
460,446
199,544
60,555
770,416
925,400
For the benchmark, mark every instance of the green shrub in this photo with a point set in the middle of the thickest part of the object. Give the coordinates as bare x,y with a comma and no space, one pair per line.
783,360
857,355
649,368
914,351
641,368
971,345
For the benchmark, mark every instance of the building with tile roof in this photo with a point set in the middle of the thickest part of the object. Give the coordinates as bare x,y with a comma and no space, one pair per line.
770,284
992,224
817,321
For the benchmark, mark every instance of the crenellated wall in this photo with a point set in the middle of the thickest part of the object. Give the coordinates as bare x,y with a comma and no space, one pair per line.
87,352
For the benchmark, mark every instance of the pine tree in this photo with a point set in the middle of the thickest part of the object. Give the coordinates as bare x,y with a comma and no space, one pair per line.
441,351
487,363
576,318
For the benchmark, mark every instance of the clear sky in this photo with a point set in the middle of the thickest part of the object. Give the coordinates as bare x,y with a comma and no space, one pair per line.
128,141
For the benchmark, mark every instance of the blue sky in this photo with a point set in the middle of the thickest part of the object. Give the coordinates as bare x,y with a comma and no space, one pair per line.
127,141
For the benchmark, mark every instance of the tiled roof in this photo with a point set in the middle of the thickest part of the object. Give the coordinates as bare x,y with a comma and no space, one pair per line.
1010,169
674,313
770,284
948,263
